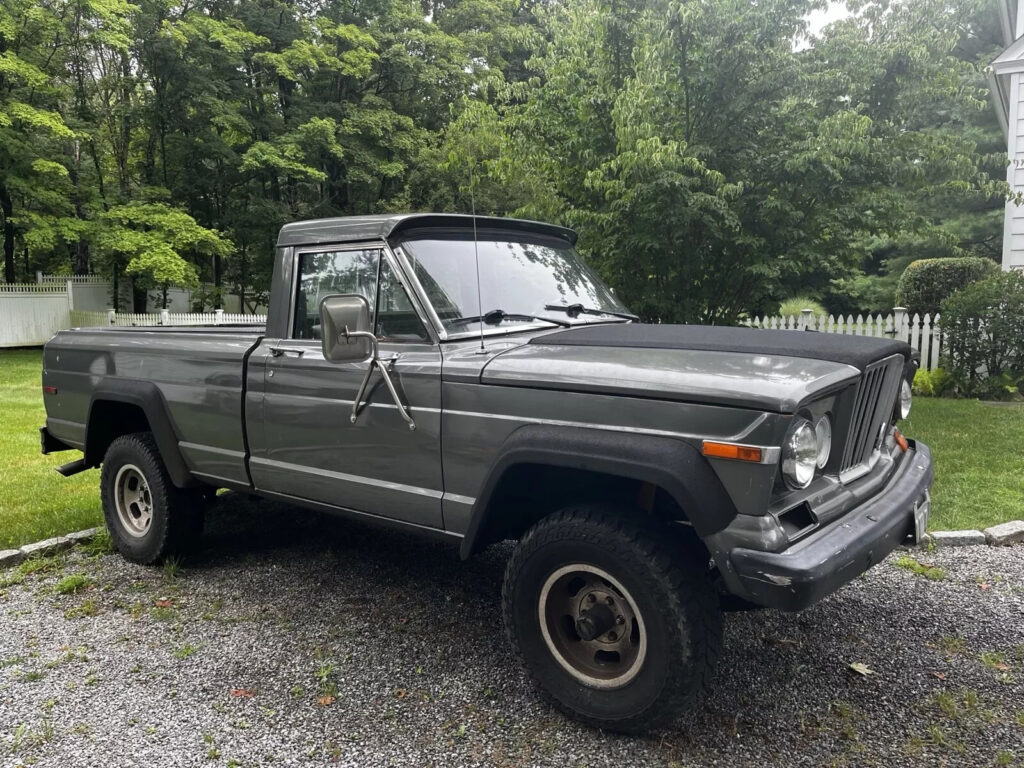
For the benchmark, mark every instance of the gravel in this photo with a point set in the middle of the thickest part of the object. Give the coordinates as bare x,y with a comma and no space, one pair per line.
298,639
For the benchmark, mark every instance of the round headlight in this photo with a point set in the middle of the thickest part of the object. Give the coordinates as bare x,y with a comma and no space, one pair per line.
800,454
905,396
823,434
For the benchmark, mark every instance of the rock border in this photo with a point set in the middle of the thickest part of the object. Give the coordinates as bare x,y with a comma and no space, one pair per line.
1000,535
12,557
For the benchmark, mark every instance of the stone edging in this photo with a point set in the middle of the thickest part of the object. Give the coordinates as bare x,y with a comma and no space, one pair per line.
11,557
996,536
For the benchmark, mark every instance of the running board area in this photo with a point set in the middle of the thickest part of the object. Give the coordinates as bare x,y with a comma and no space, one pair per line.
72,468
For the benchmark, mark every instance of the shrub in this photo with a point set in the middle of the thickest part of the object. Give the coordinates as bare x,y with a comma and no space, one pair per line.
984,336
925,283
796,305
931,383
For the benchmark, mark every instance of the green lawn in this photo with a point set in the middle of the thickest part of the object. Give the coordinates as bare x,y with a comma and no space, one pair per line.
978,450
35,502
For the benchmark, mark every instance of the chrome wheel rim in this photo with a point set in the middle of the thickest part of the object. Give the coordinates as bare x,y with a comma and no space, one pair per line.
592,627
133,501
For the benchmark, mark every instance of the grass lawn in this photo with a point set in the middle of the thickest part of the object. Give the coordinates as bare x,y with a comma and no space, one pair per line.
36,502
978,450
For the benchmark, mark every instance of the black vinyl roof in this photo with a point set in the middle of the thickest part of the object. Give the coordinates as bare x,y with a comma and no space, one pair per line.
382,227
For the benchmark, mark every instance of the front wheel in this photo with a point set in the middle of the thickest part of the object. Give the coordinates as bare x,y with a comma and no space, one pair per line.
617,628
147,516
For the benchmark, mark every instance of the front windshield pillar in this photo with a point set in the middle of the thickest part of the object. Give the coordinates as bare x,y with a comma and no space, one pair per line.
416,291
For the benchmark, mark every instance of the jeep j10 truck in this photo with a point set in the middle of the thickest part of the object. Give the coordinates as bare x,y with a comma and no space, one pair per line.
473,380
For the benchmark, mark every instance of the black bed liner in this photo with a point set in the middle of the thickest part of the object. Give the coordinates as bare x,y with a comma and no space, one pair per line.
857,351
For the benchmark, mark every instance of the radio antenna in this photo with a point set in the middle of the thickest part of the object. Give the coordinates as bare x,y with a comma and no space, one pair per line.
476,258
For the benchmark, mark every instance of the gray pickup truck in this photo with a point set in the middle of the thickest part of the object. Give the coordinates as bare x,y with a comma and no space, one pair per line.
472,379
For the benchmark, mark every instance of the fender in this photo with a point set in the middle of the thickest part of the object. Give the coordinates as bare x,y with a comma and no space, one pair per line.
148,397
674,465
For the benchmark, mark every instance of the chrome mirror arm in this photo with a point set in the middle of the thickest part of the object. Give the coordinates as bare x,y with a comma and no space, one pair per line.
375,362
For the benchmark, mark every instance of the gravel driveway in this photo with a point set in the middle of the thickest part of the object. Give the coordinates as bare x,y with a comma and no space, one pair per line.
299,639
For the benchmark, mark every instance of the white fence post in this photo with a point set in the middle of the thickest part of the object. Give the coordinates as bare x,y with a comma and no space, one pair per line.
899,321
218,317
111,316
935,360
805,318
165,317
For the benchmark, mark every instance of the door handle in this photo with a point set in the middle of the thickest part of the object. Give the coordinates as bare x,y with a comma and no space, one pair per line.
283,351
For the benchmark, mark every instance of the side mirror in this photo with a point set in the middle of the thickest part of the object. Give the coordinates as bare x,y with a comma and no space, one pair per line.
345,324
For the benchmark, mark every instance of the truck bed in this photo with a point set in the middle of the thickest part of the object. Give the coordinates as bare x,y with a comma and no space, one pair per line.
197,371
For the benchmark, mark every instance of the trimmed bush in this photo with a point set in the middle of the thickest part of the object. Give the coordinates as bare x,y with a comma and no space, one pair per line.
983,326
925,283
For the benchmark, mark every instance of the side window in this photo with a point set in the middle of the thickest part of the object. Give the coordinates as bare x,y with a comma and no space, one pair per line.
325,273
397,319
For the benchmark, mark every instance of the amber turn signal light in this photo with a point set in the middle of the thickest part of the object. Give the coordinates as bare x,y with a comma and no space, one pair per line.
732,451
901,441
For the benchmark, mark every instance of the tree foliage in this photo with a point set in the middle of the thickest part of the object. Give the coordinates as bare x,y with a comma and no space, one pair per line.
715,161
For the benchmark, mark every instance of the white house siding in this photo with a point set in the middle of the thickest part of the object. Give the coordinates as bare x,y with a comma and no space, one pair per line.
1013,225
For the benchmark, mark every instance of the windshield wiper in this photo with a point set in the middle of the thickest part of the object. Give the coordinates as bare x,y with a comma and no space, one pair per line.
575,310
495,316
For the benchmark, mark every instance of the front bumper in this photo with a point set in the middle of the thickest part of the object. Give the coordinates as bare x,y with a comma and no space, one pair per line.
821,563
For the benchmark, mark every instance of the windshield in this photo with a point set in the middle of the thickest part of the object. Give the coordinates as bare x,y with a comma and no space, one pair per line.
527,280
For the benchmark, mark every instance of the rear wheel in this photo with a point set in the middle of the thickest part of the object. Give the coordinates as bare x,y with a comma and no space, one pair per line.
620,628
148,518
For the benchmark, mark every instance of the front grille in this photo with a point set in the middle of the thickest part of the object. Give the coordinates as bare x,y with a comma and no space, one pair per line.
873,407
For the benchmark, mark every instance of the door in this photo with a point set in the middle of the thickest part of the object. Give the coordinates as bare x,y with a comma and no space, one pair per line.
306,444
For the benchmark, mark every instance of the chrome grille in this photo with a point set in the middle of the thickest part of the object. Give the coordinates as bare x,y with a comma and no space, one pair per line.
876,397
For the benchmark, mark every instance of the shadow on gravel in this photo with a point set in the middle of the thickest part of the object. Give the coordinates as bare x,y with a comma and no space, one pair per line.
241,528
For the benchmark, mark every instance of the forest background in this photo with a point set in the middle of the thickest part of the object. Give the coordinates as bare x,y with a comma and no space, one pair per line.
716,157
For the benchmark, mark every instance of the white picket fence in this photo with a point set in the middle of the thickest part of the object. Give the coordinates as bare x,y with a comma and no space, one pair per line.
163,317
922,333
42,279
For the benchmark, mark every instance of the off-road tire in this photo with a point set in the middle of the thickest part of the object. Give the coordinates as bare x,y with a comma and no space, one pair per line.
673,592
176,514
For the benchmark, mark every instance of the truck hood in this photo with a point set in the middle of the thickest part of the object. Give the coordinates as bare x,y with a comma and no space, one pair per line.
744,367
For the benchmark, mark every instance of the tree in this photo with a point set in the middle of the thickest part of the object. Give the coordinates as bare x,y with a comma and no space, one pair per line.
152,241
31,130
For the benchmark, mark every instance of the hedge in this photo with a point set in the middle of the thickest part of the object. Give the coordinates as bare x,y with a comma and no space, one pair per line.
925,283
983,326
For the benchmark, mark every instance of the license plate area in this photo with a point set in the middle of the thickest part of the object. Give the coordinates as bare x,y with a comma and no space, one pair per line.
922,510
